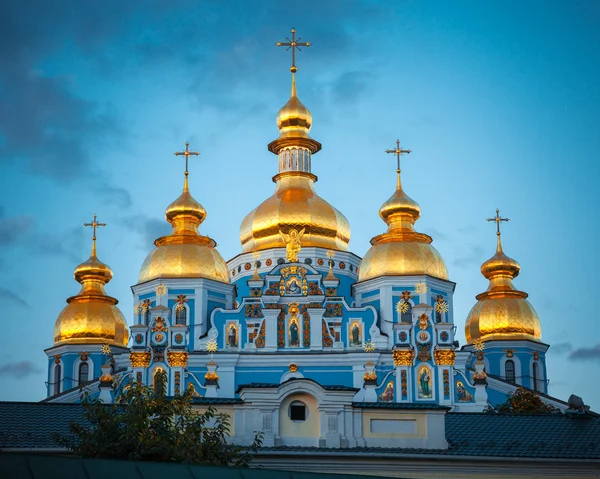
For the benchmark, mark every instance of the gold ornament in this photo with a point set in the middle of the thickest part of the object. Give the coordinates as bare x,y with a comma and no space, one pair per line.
370,376
211,376
420,288
140,359
402,307
444,357
105,349
423,322
369,347
211,346
136,308
144,306
177,358
403,357
161,290
441,307
478,345
293,368
330,253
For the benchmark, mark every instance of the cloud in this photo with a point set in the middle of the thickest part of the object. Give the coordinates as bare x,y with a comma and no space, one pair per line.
473,256
14,227
561,348
148,228
585,354
114,194
19,370
12,297
67,245
350,86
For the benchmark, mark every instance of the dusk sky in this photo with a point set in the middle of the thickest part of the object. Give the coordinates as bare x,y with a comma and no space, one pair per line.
499,101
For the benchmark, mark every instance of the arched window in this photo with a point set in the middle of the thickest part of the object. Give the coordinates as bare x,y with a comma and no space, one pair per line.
509,370
147,317
298,411
535,376
406,315
57,378
84,369
181,315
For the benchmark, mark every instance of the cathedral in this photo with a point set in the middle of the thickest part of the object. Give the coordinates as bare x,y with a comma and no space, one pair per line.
297,336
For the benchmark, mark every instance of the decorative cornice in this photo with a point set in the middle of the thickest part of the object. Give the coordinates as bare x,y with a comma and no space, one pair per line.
140,359
444,357
403,357
177,359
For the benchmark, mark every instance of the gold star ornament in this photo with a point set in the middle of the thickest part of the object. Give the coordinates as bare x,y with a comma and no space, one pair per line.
105,349
211,346
369,347
420,288
161,290
402,307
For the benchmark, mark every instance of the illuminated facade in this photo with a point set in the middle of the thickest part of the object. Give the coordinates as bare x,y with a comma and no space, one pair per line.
302,336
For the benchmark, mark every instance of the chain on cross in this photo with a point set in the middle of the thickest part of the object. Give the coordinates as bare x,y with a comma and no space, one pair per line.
293,44
498,219
94,224
398,152
187,153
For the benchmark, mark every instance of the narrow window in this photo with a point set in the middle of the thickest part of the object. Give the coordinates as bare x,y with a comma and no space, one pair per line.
535,376
181,315
406,315
147,317
57,378
298,411
83,372
509,370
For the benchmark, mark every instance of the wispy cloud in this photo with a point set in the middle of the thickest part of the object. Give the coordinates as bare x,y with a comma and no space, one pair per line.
148,228
474,255
585,354
12,228
561,348
19,370
114,195
6,295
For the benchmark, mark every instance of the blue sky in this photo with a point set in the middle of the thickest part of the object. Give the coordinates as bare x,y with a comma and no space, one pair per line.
499,101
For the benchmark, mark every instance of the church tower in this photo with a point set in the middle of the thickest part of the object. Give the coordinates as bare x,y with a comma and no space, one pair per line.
506,325
405,278
182,280
88,329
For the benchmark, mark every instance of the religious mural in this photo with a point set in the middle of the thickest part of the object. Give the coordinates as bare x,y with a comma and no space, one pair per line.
462,394
356,334
388,393
424,380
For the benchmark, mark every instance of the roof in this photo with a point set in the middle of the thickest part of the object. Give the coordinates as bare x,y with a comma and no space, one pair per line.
397,405
22,466
276,385
558,436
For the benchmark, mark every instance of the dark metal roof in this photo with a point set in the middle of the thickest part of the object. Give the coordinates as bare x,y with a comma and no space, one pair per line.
558,436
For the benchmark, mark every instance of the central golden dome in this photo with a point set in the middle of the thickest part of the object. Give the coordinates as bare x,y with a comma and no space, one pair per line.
91,316
295,203
502,312
184,253
401,251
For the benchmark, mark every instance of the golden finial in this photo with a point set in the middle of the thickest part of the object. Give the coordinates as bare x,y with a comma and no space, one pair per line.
256,256
498,219
293,44
105,349
398,152
94,224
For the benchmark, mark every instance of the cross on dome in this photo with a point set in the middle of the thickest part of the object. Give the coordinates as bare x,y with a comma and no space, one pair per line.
187,153
498,219
94,224
293,44
398,152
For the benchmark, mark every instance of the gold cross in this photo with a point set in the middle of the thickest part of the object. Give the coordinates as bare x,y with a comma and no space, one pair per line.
187,153
94,224
293,44
398,152
498,219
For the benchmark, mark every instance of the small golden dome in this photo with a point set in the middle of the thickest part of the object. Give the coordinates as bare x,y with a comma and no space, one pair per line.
502,312
294,119
295,204
184,253
401,251
91,316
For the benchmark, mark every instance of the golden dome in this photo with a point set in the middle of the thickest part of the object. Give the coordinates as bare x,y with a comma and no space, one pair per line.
184,253
91,316
401,251
502,312
295,203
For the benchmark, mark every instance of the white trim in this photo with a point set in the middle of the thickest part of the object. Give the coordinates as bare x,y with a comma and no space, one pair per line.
518,370
76,365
